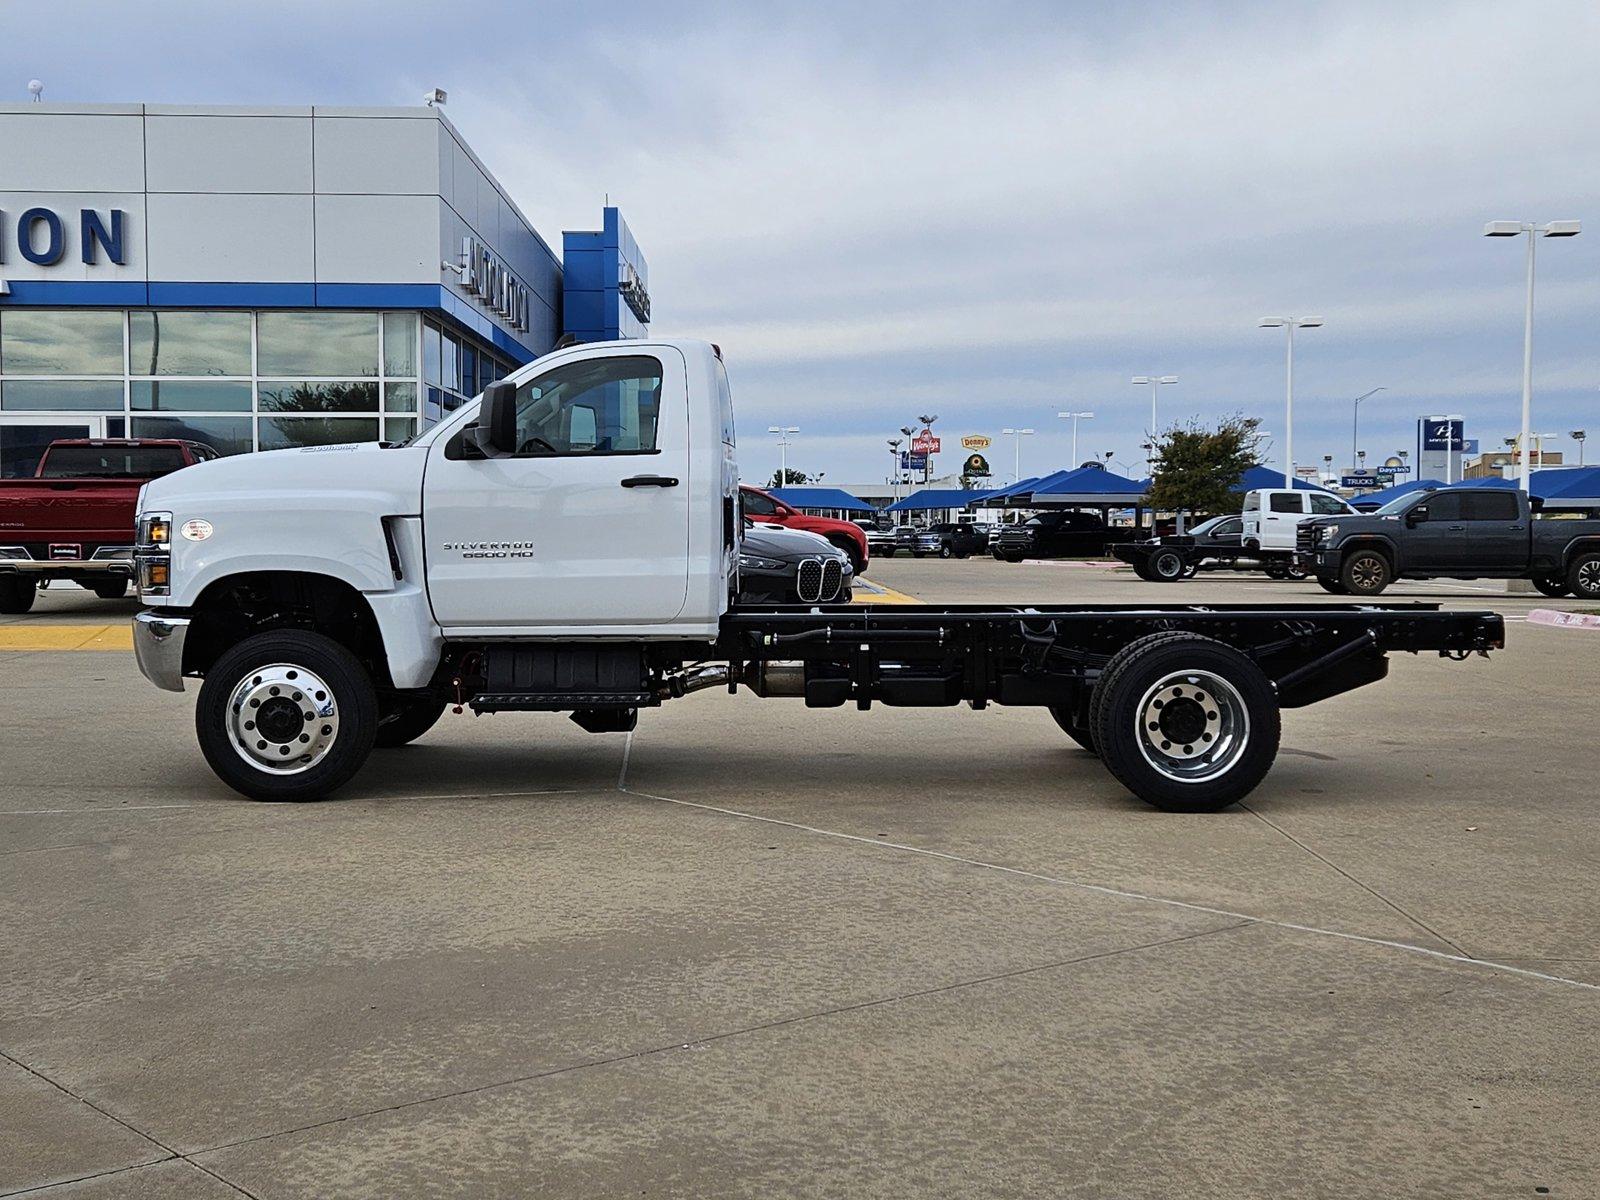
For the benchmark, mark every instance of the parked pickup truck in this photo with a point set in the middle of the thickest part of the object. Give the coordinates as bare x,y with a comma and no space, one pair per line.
1057,534
570,542
74,519
1454,533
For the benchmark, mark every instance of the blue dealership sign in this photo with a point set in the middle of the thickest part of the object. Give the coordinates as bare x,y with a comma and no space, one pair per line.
1443,435
1360,481
913,462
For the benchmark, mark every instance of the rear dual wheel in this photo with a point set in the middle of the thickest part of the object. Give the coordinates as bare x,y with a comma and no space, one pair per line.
1184,722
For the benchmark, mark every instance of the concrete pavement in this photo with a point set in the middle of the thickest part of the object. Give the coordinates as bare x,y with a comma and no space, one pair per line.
760,950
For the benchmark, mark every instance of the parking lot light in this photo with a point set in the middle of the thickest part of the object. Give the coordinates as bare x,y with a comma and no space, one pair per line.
1561,229
1075,417
1289,325
1154,382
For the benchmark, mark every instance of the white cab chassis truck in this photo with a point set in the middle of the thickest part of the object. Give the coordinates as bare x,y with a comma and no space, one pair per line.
570,543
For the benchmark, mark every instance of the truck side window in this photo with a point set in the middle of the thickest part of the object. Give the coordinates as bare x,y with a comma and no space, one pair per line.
1492,506
1326,506
760,504
1286,502
598,406
1442,507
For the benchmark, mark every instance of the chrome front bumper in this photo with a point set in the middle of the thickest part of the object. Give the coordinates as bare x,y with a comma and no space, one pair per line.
158,647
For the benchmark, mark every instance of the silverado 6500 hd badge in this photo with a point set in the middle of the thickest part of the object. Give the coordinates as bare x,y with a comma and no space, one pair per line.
491,549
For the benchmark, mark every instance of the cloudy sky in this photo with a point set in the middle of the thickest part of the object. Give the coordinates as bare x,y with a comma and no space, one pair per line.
995,212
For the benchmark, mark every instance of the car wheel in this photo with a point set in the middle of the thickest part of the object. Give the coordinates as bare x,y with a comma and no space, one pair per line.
1365,573
946,552
1066,716
1583,577
286,715
1166,566
403,721
1548,586
1276,570
888,552
16,595
1295,572
1185,722
111,589
1329,584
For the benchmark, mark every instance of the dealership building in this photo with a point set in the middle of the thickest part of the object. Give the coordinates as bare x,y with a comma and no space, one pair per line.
258,278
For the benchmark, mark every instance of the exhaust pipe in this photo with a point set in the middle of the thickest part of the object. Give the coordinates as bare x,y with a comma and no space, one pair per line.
778,679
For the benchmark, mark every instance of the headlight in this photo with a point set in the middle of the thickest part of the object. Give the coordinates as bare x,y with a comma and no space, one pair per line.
752,562
1325,532
155,530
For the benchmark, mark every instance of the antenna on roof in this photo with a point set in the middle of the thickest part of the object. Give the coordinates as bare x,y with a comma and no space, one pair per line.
36,90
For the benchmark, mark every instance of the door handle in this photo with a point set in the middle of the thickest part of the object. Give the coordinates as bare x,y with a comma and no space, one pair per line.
1455,528
634,481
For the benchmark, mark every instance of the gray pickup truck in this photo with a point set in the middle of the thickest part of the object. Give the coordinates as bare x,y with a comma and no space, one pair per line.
1454,533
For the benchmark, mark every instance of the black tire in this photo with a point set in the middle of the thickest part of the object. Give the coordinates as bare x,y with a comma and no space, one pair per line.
110,589
946,552
1329,584
16,595
1295,572
1166,566
1276,570
1548,586
887,552
1583,576
1365,572
1066,716
1141,568
348,708
1013,558
404,721
1213,686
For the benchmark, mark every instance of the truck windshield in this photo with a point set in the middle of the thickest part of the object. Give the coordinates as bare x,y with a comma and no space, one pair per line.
1398,505
110,462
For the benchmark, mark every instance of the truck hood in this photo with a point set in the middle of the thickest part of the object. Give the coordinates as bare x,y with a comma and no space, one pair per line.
385,479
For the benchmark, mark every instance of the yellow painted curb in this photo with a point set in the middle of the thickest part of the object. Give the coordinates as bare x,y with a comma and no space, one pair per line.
880,594
30,637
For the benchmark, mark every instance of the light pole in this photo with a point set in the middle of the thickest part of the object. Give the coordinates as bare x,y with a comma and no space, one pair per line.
1289,325
1016,436
1075,418
1579,436
1355,423
1517,229
1154,382
894,470
783,432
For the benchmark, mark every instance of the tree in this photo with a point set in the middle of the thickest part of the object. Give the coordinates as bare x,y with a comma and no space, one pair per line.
794,477
1198,469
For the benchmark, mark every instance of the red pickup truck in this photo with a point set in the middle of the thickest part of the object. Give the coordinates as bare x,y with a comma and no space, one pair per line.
74,519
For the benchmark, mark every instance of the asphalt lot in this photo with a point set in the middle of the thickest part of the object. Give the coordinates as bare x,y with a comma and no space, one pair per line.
759,950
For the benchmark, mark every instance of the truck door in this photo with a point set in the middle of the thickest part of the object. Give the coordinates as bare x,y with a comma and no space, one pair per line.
1281,518
1434,544
587,524
1495,538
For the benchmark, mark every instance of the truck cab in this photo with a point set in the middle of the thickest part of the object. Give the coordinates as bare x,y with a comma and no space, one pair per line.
1271,516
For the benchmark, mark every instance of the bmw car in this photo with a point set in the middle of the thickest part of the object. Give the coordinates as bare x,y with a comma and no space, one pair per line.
790,566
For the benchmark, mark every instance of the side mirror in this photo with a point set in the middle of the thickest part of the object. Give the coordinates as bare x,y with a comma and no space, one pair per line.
1416,516
496,430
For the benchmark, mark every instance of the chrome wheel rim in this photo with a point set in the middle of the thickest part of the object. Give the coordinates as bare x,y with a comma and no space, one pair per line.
1193,726
1589,577
282,719
1366,573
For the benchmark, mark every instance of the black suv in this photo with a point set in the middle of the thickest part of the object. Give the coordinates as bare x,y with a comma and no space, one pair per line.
1054,535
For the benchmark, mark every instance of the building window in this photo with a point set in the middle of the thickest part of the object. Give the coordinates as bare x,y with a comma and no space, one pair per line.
225,435
400,344
323,342
189,395
318,397
53,342
189,343
282,433
66,395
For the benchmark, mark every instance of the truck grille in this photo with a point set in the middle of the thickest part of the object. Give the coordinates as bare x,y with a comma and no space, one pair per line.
818,580
1305,537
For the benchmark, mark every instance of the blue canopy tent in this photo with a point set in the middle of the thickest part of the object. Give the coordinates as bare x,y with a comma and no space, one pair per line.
1005,495
1493,481
1265,477
1094,486
1379,498
1570,486
809,498
936,498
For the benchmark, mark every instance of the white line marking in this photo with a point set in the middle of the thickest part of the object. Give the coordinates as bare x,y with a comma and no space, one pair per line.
86,812
627,753
1120,893
470,795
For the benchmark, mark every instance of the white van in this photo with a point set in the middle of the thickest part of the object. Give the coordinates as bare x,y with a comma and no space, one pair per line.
1273,515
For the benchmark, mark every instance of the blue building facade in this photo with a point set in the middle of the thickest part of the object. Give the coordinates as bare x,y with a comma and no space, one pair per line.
605,283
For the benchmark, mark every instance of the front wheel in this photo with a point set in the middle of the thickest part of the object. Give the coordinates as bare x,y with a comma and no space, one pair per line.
1185,722
1295,572
1548,586
1330,585
17,595
286,715
1276,570
1583,576
1365,573
404,721
946,552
